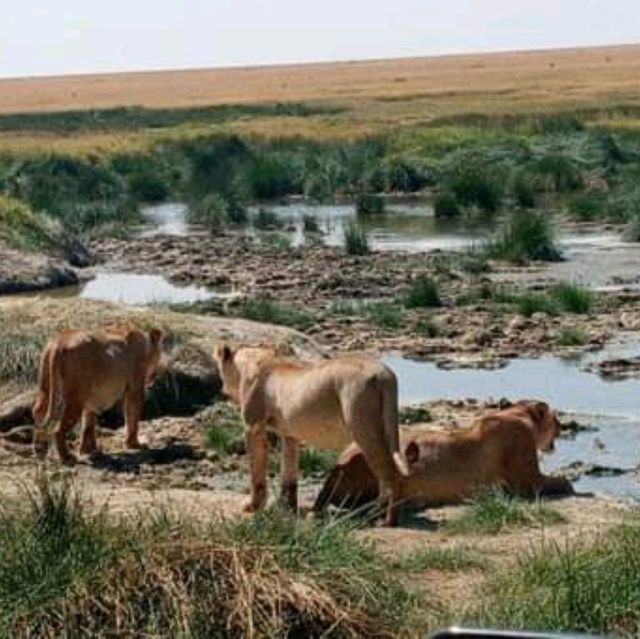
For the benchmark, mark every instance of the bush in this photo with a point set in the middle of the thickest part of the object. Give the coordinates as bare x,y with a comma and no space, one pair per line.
525,236
21,228
473,185
212,212
524,190
559,173
427,327
588,206
356,241
572,337
369,204
446,205
572,298
423,293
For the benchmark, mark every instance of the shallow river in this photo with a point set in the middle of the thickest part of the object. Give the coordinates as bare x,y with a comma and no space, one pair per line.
612,408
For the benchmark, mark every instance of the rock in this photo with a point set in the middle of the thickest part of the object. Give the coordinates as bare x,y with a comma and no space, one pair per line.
576,470
77,254
17,411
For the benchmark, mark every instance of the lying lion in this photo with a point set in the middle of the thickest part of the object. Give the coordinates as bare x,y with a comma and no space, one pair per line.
327,404
91,371
447,467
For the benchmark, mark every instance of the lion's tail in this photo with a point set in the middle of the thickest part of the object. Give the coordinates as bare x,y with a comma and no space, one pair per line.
47,387
391,423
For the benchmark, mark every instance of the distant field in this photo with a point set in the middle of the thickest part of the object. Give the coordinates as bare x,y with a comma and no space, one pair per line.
376,95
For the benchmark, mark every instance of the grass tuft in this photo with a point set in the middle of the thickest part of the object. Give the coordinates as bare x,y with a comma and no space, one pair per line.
455,559
356,241
572,298
265,310
423,293
493,511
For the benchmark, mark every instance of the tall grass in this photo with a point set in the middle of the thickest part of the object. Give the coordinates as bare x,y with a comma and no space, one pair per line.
525,236
20,349
572,297
493,511
65,571
423,293
356,241
265,310
571,587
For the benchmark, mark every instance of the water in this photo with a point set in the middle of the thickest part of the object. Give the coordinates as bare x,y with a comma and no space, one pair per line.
613,407
131,288
166,219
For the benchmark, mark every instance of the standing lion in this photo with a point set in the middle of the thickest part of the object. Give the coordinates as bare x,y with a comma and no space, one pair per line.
90,371
327,404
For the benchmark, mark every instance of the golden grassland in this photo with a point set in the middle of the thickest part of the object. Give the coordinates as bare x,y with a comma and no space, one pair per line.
378,95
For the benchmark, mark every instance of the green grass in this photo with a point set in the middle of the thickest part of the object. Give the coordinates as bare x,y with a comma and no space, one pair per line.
427,327
212,212
310,224
265,310
21,228
572,298
493,511
529,303
571,587
69,570
316,462
356,241
423,293
223,429
445,206
572,337
415,415
386,315
525,236
458,558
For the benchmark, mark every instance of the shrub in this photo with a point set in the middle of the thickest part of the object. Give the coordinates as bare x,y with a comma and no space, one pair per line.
588,206
446,205
572,298
212,212
427,327
473,185
22,228
423,293
356,241
525,236
559,173
369,204
524,190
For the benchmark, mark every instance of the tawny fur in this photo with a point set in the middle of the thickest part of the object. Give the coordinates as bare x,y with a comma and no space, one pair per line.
326,404
90,371
499,448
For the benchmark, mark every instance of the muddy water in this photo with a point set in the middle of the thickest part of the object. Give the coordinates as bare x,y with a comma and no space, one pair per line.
611,408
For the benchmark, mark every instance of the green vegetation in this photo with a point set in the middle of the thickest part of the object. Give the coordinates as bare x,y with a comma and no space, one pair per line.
20,350
21,228
223,429
211,212
67,571
436,558
423,293
572,298
386,315
446,205
579,587
316,462
369,204
310,224
270,312
525,236
493,511
572,337
427,327
356,241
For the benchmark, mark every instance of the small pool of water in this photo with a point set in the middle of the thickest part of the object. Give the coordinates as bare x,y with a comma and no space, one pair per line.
131,288
169,218
613,407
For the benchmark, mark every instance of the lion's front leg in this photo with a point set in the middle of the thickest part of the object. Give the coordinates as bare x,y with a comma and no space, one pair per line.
289,473
258,449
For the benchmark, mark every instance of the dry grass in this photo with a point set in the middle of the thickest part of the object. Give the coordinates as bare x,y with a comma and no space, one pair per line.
380,94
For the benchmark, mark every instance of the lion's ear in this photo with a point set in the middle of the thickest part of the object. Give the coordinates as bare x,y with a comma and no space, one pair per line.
540,410
412,453
156,335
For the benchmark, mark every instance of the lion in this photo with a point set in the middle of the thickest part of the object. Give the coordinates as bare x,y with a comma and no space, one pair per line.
91,371
327,404
448,467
